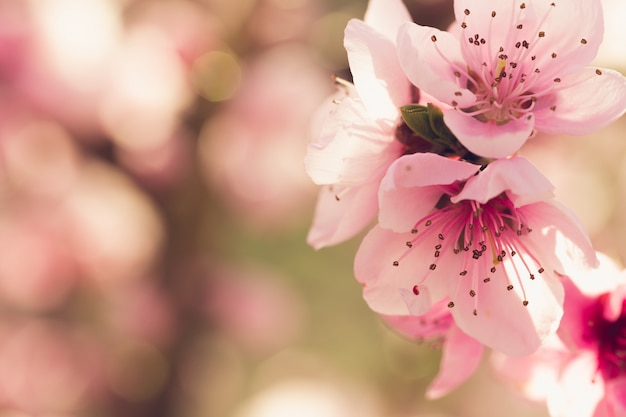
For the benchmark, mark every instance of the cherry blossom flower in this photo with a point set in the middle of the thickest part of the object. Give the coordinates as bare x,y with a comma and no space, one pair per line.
356,141
461,353
488,240
510,68
581,372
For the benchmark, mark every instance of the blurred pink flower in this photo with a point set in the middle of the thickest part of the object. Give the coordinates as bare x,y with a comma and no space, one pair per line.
355,142
479,238
254,307
46,367
251,151
583,372
508,68
66,217
461,354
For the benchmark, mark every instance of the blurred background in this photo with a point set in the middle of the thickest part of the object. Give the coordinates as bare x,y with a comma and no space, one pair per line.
154,209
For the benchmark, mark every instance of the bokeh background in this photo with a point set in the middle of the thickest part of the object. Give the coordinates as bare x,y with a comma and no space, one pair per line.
154,210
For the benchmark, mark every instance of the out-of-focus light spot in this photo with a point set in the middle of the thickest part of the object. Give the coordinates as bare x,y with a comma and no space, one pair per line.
46,367
148,90
255,307
217,75
40,158
78,37
137,372
36,268
309,397
114,228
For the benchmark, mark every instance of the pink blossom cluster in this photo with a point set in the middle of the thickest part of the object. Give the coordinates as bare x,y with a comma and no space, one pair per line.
469,244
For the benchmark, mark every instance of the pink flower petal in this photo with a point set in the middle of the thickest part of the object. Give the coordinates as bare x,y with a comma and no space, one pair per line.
534,375
502,321
431,65
429,326
423,173
607,278
352,149
585,102
378,78
498,23
518,177
615,303
341,213
489,139
401,208
386,16
579,391
557,227
461,357
614,400
579,309
417,305
424,169
382,280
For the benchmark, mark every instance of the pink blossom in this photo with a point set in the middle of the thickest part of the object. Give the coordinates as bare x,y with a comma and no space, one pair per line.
582,372
356,141
509,68
488,240
461,353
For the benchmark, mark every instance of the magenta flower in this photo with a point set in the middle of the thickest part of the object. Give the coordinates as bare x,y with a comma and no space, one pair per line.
583,372
488,240
509,68
461,354
594,329
356,141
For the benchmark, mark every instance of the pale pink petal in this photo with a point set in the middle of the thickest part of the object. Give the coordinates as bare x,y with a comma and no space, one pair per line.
431,66
341,213
534,375
579,390
552,18
460,358
378,78
502,321
480,21
615,303
386,16
351,149
557,227
424,169
401,208
523,183
614,401
584,103
606,278
382,280
410,189
489,139
434,324
417,305
574,45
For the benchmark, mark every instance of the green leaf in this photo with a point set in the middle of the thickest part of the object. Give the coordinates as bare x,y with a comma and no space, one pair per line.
417,118
438,126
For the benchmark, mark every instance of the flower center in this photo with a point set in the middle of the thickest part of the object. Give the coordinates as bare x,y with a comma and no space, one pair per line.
507,72
611,337
487,237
